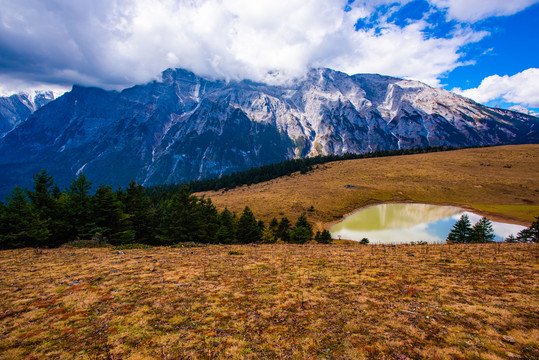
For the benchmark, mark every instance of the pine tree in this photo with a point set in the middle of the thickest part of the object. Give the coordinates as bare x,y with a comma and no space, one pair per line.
511,239
210,221
181,219
42,195
283,231
43,201
461,231
482,231
248,228
21,225
106,213
531,234
141,216
303,222
78,208
226,234
323,237
300,235
302,231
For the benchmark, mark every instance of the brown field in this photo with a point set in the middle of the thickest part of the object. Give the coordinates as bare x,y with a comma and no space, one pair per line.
341,301
500,182
276,301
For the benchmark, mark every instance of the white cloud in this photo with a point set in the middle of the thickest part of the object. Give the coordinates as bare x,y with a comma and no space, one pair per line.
474,10
117,43
403,52
10,86
521,88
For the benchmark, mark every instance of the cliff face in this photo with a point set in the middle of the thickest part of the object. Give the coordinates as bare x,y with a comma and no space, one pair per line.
187,127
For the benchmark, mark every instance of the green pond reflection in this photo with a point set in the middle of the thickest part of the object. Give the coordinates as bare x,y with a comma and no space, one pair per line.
406,223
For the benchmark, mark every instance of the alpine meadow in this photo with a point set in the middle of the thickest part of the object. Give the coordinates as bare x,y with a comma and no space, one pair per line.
270,179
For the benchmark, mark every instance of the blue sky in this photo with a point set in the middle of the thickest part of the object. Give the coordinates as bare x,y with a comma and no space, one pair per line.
483,49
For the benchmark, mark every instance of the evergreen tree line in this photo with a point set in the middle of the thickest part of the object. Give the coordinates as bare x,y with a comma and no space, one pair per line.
482,232
273,171
46,216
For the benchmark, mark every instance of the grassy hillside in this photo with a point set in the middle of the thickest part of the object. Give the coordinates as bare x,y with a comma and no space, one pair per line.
501,182
271,302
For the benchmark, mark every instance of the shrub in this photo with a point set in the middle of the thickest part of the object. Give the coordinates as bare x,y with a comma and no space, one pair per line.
235,253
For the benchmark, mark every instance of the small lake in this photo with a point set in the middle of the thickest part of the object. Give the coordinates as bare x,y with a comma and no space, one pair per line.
406,223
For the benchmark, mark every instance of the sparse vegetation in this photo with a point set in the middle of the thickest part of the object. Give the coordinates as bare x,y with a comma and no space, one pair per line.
132,298
235,253
278,301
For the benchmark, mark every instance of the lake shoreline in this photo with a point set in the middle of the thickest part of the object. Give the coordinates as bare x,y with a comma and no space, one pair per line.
449,207
490,215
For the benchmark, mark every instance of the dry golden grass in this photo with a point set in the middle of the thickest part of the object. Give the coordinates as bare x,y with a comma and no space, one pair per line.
500,182
274,302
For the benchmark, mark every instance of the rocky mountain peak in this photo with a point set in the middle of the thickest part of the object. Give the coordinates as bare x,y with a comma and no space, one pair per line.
185,127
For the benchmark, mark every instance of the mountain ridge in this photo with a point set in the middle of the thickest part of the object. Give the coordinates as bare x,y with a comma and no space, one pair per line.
16,108
187,127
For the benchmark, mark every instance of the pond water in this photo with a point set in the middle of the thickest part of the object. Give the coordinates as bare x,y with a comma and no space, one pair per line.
406,223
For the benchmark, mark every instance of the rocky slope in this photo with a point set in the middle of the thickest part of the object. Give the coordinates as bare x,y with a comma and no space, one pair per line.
187,127
16,108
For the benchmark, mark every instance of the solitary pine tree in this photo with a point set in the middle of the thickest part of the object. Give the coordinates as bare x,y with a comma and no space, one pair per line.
461,231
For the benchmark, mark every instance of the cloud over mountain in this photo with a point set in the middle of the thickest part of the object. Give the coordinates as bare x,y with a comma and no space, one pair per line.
521,88
117,43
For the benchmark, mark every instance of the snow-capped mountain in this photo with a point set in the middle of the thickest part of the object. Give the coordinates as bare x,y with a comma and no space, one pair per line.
16,108
188,127
523,110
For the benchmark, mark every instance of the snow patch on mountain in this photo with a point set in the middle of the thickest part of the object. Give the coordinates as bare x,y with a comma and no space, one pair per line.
522,109
186,127
16,108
